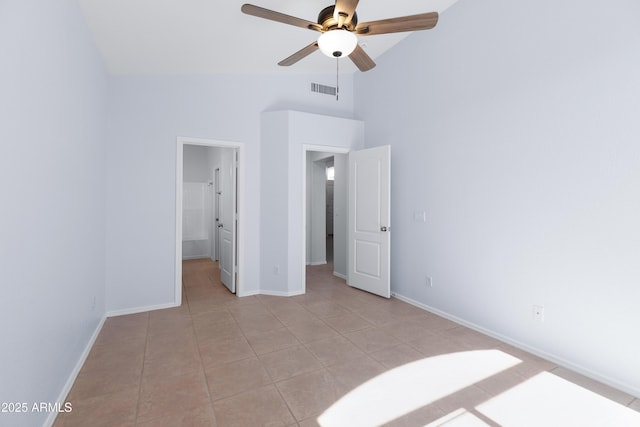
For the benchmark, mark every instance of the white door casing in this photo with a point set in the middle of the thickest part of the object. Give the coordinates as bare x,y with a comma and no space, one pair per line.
369,220
227,225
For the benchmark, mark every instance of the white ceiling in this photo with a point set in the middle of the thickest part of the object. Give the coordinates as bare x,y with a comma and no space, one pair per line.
214,36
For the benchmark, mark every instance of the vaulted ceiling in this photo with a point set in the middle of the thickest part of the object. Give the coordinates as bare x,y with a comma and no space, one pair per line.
214,36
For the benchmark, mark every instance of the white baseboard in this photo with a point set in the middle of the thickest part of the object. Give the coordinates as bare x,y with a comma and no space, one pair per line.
248,293
318,262
342,276
627,388
282,294
203,256
136,310
74,374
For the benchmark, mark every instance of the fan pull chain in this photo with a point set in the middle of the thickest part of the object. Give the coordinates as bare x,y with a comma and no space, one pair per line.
337,78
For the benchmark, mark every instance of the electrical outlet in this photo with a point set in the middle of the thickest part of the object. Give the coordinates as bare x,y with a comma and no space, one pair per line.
429,282
538,313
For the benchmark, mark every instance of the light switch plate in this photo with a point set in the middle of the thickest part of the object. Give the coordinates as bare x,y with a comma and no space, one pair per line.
420,216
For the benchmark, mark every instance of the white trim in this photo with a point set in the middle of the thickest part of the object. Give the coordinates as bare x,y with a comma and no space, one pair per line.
203,256
136,310
627,388
318,262
180,143
342,276
251,293
282,294
315,148
51,419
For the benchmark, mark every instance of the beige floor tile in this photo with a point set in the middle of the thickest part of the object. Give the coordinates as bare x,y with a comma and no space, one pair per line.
334,350
213,317
346,323
308,394
434,322
311,330
105,381
167,396
408,330
353,373
178,341
289,362
128,354
236,377
259,323
395,356
470,338
501,381
172,362
267,342
530,364
202,416
217,352
372,314
260,407
324,309
437,345
113,409
269,358
372,340
217,332
292,314
115,334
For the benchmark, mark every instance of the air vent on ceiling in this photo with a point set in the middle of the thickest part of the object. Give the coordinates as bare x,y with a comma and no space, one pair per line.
326,90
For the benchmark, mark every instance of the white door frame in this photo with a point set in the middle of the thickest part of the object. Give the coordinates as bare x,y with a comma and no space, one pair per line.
305,149
181,142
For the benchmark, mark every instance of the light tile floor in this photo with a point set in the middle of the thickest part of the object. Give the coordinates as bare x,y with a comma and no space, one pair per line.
337,353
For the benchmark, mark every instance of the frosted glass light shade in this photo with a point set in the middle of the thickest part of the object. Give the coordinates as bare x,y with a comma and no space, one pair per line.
337,43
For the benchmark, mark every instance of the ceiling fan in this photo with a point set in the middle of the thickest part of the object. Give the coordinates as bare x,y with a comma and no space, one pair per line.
339,27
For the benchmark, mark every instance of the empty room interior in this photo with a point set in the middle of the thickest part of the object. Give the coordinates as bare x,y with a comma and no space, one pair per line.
203,177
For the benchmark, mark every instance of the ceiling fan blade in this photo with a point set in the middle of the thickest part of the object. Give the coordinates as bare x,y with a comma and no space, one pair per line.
423,21
261,12
361,59
344,10
306,51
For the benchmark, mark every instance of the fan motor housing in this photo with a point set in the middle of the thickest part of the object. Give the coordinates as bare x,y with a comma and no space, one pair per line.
328,22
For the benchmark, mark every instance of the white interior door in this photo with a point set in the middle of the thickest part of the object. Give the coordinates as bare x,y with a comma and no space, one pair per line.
369,220
217,202
228,219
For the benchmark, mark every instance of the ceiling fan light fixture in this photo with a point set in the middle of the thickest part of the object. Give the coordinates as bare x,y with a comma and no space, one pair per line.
337,43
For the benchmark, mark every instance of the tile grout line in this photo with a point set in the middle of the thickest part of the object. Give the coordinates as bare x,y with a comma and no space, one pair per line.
144,358
202,369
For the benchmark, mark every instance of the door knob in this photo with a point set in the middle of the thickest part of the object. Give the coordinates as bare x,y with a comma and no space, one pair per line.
219,225
383,229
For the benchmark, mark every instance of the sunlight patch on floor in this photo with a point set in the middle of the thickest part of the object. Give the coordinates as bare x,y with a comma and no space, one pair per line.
547,399
459,418
402,390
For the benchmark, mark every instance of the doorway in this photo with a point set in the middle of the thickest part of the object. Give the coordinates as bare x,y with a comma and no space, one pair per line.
366,214
225,190
325,208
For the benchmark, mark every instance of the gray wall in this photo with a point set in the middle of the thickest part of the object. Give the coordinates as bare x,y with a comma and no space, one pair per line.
53,104
518,135
146,116
285,133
